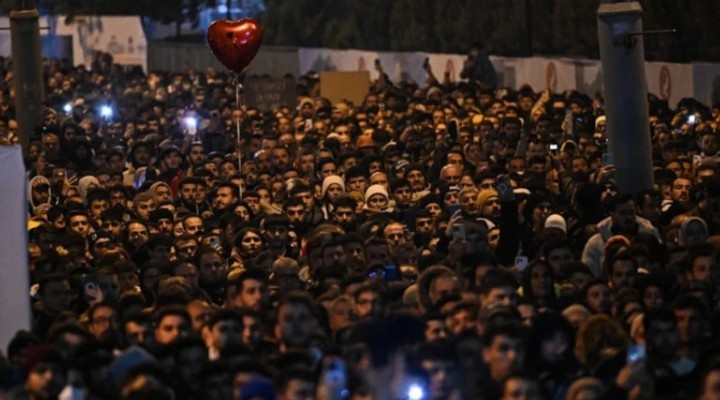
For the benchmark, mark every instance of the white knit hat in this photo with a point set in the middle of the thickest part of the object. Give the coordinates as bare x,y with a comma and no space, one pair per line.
375,189
330,180
556,221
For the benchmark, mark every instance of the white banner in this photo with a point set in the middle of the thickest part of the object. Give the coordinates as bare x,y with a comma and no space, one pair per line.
14,272
670,82
123,37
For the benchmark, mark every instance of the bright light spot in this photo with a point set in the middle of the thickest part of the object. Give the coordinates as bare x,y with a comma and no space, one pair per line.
106,111
222,9
191,122
415,392
68,108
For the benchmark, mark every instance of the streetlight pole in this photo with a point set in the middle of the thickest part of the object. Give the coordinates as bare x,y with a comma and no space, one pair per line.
27,67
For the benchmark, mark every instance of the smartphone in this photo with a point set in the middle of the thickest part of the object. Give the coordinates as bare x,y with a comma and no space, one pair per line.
503,186
608,159
691,119
521,262
459,231
636,353
454,209
391,273
553,147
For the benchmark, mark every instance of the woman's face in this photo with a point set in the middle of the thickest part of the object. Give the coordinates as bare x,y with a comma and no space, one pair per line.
251,244
377,202
264,195
242,212
178,229
540,282
334,192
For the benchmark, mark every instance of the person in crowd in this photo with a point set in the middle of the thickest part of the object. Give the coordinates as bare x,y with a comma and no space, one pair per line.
455,240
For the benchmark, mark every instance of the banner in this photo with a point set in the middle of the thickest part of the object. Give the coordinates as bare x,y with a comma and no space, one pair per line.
338,86
123,37
14,272
670,82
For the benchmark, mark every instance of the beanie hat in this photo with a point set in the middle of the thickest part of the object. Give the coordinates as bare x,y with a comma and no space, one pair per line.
556,221
600,119
159,214
130,359
376,189
332,179
484,196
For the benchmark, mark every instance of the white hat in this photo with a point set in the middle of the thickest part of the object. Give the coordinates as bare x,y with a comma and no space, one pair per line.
556,221
330,180
376,189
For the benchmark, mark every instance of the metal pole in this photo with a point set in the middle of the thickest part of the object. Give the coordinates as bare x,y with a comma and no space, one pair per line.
623,70
27,68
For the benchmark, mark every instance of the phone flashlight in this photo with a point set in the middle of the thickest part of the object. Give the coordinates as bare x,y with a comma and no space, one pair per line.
415,392
68,108
106,111
191,123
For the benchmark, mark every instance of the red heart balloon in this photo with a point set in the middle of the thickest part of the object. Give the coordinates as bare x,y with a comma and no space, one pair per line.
235,43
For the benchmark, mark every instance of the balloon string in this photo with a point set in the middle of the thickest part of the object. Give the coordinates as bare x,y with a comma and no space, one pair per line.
238,86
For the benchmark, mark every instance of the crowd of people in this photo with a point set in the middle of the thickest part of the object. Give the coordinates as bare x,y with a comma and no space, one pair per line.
441,240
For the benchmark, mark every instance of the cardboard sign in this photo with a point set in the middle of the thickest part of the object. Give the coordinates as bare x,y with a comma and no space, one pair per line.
268,94
352,86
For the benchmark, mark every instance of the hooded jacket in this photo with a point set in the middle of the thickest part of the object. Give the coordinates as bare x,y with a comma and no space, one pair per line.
593,254
36,181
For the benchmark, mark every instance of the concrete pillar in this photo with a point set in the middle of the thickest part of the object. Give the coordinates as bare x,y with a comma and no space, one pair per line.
623,69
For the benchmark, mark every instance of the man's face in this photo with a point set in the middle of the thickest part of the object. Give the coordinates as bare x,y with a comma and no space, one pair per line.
135,333
344,216
188,192
224,198
162,193
558,258
171,328
417,180
395,235
681,190
503,356
522,389
506,295
197,155
468,202
369,304
378,254
623,274
45,381
193,225
334,256
97,207
80,224
624,217
296,214
307,164
702,268
253,294
580,279
186,248
663,337
402,195
101,321
224,334
690,325
295,324
280,157
213,270
138,233
599,299
144,208
441,287
172,161
451,174
358,184
491,208
435,330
